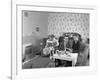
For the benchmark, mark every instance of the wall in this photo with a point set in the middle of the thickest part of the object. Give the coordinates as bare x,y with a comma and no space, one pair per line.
53,23
31,20
68,22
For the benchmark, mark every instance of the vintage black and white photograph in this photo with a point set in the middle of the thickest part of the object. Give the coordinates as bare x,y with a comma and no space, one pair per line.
55,39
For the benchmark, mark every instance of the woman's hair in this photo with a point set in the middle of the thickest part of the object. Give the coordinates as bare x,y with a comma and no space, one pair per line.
52,36
71,38
79,36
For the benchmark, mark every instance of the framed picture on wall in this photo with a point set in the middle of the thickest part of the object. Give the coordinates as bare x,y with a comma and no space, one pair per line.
62,43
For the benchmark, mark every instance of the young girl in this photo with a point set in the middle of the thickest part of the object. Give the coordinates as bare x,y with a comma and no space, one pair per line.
50,45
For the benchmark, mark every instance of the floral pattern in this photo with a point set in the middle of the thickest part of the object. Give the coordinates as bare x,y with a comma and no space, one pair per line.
68,22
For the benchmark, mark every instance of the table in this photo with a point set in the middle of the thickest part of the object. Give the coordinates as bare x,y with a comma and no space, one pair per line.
69,57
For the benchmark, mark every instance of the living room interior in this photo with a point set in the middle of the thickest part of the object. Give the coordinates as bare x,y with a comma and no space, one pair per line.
38,25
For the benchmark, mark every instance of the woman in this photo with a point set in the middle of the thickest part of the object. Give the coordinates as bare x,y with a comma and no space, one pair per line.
64,46
76,44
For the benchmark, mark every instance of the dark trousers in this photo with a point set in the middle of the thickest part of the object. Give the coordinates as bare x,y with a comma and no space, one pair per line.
63,63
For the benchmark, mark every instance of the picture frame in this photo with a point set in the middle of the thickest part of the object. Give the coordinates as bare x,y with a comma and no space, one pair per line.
16,69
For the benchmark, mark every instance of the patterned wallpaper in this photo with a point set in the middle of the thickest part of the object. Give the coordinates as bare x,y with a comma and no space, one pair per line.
68,22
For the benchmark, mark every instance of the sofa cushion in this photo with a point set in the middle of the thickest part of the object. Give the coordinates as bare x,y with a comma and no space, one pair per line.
83,55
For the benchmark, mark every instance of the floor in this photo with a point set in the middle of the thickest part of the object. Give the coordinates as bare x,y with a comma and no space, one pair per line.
42,62
38,62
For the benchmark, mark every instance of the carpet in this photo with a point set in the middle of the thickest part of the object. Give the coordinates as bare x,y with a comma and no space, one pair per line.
37,62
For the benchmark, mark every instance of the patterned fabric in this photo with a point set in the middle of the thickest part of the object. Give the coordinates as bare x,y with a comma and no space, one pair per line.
50,45
47,50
